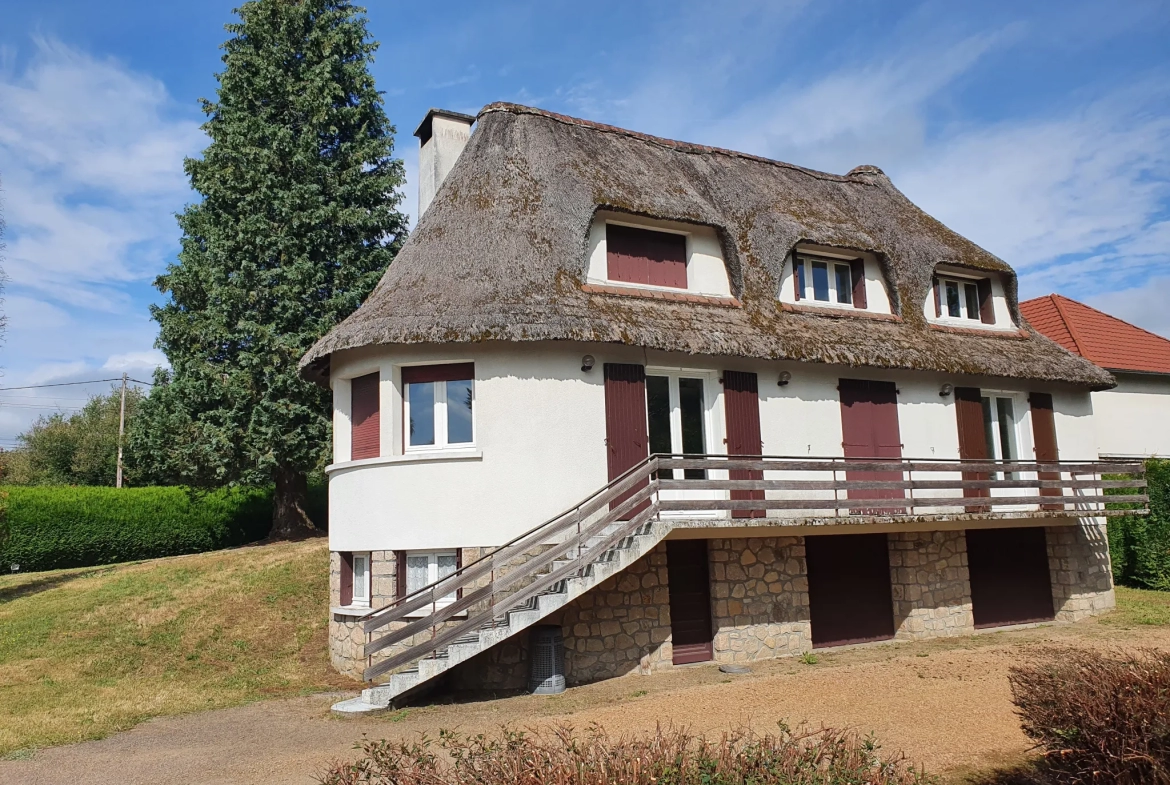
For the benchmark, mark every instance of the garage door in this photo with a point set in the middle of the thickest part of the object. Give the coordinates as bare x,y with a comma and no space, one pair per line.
849,589
1010,583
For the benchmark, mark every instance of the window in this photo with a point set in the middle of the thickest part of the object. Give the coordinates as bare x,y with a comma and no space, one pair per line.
365,424
676,419
966,299
425,568
439,406
355,580
999,429
831,281
647,257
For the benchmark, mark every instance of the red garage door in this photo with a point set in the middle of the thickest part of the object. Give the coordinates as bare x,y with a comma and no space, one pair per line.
849,589
1010,582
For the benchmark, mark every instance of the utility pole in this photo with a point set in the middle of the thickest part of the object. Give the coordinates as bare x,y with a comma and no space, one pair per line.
121,430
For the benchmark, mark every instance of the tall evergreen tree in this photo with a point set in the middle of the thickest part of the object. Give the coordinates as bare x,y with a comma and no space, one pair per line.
299,218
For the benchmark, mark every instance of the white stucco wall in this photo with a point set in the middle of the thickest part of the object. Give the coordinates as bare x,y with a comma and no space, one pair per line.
706,271
1133,419
540,436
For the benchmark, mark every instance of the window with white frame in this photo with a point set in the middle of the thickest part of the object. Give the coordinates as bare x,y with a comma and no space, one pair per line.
439,406
1000,428
361,580
964,299
831,281
426,567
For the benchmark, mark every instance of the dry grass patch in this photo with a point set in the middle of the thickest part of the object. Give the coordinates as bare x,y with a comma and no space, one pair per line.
87,652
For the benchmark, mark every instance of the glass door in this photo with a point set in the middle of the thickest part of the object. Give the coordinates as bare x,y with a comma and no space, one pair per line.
678,413
1001,429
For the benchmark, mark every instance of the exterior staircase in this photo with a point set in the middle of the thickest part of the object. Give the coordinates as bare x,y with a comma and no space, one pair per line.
526,581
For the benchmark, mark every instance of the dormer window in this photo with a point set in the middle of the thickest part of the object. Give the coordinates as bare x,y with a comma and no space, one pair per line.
646,256
964,299
635,253
831,281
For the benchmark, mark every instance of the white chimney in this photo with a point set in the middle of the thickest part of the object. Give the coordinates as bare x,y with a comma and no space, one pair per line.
442,135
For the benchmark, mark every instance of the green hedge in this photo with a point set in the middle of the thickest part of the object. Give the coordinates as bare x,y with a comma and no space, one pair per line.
1139,546
51,527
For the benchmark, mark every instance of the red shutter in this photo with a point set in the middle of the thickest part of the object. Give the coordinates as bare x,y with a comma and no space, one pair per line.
400,574
365,422
857,268
449,372
458,567
986,303
346,578
937,297
625,420
643,256
869,426
972,437
1044,437
798,277
742,407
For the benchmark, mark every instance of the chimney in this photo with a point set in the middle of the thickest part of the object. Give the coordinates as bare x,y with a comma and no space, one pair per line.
442,135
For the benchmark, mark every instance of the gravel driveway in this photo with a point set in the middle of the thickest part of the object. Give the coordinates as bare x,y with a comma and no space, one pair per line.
946,704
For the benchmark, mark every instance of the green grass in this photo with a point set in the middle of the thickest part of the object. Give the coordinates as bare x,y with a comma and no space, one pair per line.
1137,607
91,651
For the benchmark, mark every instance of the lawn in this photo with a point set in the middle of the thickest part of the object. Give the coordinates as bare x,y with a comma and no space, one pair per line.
1136,607
88,652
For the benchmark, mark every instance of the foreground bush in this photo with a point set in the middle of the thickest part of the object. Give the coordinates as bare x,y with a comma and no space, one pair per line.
560,757
64,526
1099,717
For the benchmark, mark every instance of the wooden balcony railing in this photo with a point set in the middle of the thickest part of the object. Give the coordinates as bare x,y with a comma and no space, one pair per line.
788,491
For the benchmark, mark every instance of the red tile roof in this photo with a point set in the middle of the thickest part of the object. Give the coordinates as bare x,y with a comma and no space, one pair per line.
1103,339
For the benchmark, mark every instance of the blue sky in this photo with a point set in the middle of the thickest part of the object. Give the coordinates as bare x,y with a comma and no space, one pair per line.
1039,130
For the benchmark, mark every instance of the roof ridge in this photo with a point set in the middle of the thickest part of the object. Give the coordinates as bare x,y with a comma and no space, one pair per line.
1072,333
1111,316
681,146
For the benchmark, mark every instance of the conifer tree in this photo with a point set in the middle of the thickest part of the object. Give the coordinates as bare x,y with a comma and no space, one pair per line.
298,219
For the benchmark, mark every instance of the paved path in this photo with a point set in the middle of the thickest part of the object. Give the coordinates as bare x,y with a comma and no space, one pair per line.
946,704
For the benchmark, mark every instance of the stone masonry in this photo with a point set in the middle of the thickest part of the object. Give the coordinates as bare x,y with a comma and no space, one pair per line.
930,584
759,604
1082,577
759,597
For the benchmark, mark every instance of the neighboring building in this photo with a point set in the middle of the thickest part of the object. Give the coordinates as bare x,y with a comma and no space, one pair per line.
1133,418
576,298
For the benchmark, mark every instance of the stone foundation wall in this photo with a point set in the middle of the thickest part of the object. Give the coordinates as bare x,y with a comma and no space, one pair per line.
759,594
930,584
1082,577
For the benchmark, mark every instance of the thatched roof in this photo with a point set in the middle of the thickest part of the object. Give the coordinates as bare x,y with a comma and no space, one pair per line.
500,255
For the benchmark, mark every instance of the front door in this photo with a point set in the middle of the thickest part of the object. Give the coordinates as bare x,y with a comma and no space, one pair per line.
678,406
690,600
869,427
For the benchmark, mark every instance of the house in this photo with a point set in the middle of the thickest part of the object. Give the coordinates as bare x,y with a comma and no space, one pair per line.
1133,418
687,404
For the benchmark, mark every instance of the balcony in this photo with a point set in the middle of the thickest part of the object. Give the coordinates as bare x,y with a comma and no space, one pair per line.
820,491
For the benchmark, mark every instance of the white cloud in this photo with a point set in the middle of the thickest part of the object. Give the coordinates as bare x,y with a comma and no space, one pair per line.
91,159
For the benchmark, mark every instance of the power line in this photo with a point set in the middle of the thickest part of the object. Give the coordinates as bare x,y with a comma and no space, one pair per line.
67,384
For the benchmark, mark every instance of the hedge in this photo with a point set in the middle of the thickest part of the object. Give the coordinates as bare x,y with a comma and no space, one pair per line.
1139,545
51,527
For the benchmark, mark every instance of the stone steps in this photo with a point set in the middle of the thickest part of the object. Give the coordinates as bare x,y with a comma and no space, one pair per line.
613,561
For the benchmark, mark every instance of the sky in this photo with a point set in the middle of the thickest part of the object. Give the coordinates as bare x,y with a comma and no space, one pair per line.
1039,130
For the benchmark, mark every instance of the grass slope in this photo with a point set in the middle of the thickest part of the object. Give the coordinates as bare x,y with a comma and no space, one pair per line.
88,652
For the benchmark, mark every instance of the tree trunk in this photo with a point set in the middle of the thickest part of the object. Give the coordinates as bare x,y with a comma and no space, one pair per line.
290,518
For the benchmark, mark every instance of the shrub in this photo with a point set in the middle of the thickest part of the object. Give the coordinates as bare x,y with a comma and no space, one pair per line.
55,527
1099,717
560,757
1139,545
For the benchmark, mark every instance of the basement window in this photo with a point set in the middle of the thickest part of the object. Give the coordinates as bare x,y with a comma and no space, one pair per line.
439,406
426,567
355,580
